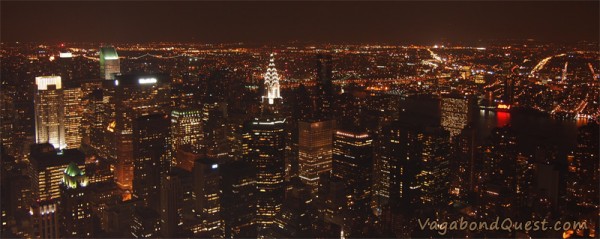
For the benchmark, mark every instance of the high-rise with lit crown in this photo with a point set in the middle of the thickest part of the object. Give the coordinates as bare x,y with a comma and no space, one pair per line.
109,63
264,148
271,82
75,207
49,111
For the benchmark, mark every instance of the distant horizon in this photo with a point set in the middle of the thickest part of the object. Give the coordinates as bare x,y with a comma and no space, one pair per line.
441,43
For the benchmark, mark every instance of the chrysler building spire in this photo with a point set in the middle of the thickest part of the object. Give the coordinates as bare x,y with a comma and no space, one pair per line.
271,82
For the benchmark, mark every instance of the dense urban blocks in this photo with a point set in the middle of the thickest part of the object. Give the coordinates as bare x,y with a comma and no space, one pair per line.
300,139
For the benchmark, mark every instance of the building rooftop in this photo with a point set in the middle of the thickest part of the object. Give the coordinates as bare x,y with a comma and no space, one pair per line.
108,53
45,155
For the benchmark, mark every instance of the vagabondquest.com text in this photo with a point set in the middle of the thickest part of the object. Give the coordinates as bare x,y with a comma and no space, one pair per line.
507,225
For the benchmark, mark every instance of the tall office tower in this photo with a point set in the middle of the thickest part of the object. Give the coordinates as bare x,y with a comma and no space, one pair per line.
264,148
214,126
324,86
265,142
75,209
67,68
49,111
91,123
134,95
47,168
456,112
109,63
315,145
207,183
582,176
432,178
463,164
186,129
238,201
150,137
501,172
395,166
46,173
171,203
7,119
353,164
73,115
15,194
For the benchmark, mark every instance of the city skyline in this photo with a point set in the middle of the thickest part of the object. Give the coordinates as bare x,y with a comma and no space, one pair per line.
330,127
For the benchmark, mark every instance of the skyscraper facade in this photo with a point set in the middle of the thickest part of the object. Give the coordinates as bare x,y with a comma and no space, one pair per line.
150,137
49,111
265,140
456,112
315,145
134,96
207,183
352,160
186,129
73,115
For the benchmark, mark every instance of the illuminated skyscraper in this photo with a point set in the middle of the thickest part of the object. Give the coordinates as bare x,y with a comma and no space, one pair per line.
265,140
315,144
207,183
432,179
186,129
75,205
109,63
455,113
133,96
264,148
49,111
73,115
47,173
47,169
402,170
353,162
271,83
214,127
353,165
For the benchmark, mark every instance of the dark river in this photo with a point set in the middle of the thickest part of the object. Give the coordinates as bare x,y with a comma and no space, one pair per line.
533,129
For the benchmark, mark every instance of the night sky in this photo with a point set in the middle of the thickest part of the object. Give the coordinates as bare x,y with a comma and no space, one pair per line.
274,22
